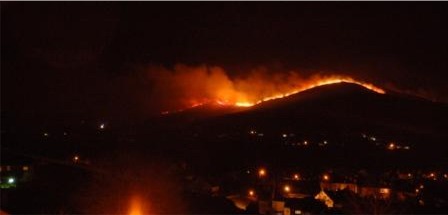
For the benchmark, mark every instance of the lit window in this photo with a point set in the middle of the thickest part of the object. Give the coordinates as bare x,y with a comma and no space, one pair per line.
25,168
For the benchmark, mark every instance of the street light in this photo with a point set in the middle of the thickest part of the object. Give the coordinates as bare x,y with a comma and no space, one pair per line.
286,188
261,172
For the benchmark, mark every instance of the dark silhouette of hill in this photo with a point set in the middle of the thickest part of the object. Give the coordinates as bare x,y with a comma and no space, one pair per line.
345,107
218,137
339,112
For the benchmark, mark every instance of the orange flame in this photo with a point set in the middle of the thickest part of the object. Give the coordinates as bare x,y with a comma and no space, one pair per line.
211,85
317,83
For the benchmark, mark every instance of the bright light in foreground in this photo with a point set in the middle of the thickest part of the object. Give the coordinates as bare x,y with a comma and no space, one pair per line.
102,126
262,172
136,207
75,158
326,177
287,188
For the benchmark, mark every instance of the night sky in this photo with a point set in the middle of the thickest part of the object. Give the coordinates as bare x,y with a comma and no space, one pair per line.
69,61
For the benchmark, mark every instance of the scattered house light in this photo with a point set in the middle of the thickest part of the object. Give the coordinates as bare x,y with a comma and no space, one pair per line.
391,146
75,158
260,134
11,180
251,193
252,132
323,197
407,147
385,190
421,202
102,126
25,168
262,172
373,138
326,177
284,135
65,133
46,134
305,142
417,190
296,177
287,188
421,186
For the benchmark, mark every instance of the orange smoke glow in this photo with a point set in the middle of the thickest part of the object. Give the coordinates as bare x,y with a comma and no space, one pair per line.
196,86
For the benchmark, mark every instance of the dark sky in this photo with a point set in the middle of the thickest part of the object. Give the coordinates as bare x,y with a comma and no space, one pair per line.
72,60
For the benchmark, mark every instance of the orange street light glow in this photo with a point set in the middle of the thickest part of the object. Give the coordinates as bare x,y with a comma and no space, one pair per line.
262,172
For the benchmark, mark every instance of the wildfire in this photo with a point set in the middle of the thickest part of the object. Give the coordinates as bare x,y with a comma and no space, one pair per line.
317,83
195,86
320,82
